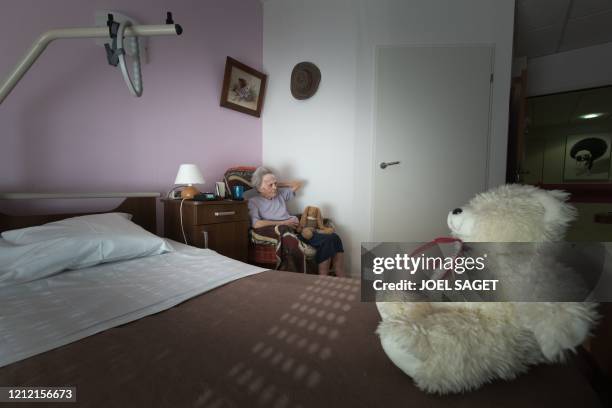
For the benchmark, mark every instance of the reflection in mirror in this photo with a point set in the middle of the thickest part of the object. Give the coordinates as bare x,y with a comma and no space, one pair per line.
568,137
568,143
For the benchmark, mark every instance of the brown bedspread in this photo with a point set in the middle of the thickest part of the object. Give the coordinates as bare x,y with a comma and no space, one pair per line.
276,339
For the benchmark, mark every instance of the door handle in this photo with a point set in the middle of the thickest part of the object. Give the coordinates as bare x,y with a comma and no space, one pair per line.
384,165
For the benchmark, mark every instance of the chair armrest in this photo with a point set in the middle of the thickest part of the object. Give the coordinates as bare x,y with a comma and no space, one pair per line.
257,239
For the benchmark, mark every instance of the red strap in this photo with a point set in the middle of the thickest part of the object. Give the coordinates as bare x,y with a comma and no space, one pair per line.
436,241
439,240
446,240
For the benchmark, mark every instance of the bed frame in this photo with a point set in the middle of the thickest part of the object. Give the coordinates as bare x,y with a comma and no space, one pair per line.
142,206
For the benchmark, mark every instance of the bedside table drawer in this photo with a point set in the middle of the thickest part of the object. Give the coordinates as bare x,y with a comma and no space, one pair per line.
229,239
222,226
213,214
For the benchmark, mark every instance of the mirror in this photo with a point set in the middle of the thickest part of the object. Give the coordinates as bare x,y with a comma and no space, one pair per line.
569,138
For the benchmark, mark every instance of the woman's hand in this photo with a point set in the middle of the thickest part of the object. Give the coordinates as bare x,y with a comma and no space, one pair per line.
292,222
294,185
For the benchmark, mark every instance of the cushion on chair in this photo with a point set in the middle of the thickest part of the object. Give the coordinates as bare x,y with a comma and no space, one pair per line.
238,176
262,254
281,244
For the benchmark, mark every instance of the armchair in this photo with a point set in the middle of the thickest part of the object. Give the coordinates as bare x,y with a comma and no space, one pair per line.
264,249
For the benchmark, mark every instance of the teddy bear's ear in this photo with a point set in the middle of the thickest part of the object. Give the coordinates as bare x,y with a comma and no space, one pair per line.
304,217
556,210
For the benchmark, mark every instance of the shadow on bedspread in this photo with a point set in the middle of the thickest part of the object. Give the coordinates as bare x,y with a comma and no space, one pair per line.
275,339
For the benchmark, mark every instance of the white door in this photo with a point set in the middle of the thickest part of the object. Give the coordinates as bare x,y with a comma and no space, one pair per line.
432,116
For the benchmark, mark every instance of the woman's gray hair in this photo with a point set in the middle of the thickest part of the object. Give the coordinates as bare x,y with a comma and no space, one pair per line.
258,175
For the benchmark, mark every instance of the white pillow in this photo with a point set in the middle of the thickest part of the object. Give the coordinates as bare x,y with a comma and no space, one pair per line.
24,263
74,243
67,228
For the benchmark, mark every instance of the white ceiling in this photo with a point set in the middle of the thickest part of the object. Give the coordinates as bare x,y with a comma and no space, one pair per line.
546,27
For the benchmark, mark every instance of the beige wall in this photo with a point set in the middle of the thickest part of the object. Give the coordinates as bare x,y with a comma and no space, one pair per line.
581,68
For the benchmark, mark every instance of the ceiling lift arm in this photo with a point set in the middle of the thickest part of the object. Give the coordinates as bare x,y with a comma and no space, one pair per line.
90,32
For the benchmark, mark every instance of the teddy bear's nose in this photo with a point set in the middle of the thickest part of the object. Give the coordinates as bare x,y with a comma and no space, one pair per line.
457,211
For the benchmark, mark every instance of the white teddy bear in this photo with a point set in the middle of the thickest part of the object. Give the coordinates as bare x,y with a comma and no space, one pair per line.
455,347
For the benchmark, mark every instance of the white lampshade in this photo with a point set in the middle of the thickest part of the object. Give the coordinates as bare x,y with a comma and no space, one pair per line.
189,174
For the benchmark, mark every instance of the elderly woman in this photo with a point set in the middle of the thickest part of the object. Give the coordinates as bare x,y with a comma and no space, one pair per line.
269,208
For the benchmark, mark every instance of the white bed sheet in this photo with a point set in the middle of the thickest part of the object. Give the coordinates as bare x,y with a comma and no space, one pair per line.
4,243
48,313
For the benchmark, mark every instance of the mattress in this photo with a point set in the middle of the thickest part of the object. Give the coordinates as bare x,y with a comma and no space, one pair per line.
272,339
48,313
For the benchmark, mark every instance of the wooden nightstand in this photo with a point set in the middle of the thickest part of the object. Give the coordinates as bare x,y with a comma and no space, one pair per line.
222,226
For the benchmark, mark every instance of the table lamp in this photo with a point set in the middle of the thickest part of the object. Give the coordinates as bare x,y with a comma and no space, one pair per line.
189,174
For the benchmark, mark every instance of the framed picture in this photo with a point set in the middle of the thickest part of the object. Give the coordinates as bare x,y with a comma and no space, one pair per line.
587,157
243,88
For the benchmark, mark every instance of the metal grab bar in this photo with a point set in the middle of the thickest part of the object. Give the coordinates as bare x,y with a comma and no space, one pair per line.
90,32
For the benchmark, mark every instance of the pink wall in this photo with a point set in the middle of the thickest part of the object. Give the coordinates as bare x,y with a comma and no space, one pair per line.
71,124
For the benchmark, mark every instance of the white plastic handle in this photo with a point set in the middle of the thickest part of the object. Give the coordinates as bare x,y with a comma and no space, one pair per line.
135,88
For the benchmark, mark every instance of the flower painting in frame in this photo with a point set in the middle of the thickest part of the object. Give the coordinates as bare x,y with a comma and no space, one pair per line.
243,88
